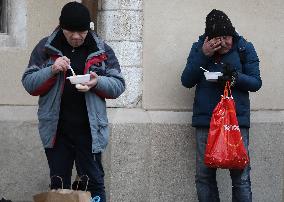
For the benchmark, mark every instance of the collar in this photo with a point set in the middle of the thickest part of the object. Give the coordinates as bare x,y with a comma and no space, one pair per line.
55,41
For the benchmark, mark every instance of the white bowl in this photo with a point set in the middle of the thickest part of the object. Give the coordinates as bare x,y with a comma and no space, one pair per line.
79,79
212,76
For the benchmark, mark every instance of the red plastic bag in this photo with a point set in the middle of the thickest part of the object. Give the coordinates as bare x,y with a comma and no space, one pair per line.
225,147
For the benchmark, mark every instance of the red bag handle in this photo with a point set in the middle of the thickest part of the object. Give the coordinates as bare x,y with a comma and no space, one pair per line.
227,90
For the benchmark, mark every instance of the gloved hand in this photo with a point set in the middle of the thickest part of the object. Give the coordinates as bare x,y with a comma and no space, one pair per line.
229,74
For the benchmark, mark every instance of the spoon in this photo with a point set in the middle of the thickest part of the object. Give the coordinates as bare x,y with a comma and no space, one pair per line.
204,69
69,67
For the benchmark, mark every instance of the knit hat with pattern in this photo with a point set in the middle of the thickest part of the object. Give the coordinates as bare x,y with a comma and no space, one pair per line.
218,24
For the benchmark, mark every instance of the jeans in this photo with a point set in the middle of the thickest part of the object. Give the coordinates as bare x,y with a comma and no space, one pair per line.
76,146
205,179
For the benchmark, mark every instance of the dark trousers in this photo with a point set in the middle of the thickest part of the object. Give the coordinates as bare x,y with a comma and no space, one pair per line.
76,146
206,184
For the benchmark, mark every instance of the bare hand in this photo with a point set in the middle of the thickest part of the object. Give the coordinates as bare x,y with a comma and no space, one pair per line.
60,64
211,46
87,86
82,87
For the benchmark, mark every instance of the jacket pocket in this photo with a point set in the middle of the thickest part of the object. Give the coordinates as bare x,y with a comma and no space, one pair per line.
102,120
47,127
103,130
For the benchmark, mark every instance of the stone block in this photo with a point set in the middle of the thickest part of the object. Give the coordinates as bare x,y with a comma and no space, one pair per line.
133,93
267,160
120,25
130,151
172,163
128,53
121,4
24,170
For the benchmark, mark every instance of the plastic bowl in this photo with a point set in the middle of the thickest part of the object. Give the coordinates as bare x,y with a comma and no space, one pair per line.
79,79
212,76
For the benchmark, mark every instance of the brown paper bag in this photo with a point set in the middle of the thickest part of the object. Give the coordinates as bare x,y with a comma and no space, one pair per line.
63,195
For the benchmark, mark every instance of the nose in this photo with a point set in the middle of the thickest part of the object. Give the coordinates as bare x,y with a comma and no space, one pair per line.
76,35
223,43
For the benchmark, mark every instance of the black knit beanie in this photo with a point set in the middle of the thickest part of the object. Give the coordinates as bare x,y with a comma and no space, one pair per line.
218,24
75,17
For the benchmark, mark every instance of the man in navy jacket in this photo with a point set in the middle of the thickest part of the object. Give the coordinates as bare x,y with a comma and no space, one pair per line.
221,49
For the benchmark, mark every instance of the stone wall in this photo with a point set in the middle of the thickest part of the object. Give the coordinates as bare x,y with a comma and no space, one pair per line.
150,157
120,23
151,153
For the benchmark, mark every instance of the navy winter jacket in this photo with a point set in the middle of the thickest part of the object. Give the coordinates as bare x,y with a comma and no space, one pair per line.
208,94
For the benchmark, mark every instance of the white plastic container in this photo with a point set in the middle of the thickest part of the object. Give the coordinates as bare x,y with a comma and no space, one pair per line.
79,79
212,76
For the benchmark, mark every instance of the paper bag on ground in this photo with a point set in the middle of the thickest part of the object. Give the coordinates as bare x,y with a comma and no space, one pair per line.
63,195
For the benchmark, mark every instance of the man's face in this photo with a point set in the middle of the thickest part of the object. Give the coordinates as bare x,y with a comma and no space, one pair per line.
75,38
226,44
